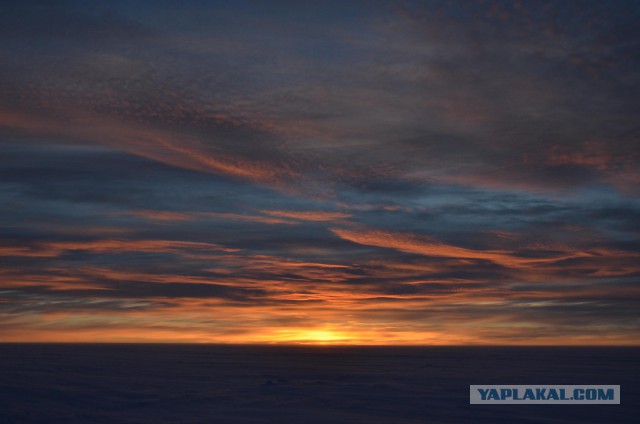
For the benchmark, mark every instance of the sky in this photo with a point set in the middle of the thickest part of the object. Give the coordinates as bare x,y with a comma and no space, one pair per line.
336,172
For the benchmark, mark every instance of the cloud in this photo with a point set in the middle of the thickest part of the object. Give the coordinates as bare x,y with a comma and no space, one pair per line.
427,246
160,215
58,248
155,215
172,148
418,173
309,215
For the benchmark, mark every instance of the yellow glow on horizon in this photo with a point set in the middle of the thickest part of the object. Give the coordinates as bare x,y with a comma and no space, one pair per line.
313,336
75,327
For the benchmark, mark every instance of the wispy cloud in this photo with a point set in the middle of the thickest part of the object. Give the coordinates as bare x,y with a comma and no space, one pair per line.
309,215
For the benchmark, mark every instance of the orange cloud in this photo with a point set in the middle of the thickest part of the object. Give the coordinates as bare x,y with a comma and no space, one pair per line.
599,262
422,245
174,148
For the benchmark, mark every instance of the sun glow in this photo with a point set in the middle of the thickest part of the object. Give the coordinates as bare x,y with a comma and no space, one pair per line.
313,336
322,336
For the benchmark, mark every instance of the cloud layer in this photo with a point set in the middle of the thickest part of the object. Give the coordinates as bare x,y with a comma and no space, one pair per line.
348,172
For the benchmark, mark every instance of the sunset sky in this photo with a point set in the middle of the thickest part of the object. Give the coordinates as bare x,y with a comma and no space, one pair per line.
361,172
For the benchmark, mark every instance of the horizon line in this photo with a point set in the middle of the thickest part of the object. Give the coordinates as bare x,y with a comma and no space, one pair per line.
318,345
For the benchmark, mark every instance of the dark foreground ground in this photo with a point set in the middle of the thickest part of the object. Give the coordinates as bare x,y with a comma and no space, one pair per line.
240,384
